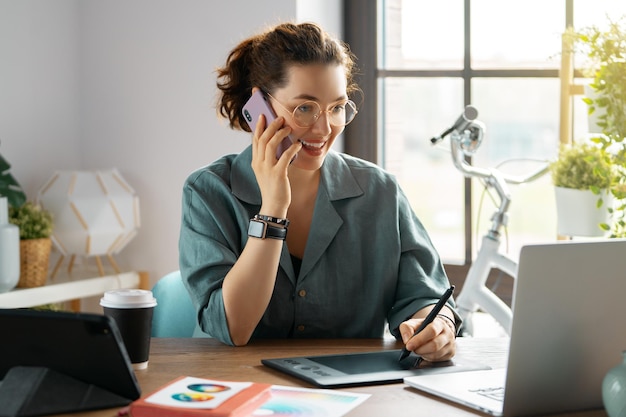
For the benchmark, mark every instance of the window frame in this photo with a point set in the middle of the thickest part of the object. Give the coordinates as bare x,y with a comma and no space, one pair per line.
364,137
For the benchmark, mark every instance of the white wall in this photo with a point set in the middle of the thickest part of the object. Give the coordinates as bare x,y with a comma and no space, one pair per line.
38,88
89,84
328,13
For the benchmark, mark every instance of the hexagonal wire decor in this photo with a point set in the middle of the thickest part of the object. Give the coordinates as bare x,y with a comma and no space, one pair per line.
95,213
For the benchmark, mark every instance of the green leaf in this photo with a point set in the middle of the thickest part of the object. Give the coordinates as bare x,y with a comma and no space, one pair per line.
9,187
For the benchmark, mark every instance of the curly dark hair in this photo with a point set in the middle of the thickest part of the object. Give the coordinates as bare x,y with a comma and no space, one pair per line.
262,61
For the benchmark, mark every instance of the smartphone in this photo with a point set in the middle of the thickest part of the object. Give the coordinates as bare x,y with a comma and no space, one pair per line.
259,104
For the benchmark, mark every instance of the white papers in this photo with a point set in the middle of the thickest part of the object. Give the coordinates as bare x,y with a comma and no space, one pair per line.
309,402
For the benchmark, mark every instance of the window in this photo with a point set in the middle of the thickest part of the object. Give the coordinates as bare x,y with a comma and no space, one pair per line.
433,58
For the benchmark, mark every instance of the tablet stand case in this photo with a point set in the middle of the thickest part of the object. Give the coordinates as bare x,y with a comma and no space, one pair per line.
29,391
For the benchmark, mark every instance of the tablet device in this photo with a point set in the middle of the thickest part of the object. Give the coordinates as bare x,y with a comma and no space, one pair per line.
86,347
368,368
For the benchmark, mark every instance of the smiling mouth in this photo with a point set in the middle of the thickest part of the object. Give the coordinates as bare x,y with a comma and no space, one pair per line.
312,145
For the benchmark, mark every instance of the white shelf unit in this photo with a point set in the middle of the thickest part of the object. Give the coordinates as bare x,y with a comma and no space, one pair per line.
72,289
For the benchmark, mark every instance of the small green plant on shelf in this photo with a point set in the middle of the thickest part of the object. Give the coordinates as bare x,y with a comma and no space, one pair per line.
583,166
33,221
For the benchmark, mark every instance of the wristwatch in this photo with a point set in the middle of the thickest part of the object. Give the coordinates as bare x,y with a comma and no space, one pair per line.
262,230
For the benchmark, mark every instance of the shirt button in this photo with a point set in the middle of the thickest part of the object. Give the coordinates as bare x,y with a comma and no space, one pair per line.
302,293
301,328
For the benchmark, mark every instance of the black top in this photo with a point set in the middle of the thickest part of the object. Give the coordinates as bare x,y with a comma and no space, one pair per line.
297,263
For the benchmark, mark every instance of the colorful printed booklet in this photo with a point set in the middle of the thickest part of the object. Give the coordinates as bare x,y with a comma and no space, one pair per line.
194,397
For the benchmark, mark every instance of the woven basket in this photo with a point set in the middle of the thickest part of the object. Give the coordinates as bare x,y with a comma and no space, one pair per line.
34,261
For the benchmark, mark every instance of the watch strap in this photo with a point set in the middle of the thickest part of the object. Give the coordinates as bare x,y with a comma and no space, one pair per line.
276,232
277,220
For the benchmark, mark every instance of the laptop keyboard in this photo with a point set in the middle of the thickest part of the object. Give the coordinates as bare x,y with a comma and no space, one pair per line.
495,393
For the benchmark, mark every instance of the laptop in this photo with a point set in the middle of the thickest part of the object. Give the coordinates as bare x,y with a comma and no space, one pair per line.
87,348
567,332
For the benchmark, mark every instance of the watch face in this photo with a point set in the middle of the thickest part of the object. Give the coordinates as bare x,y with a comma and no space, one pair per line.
256,229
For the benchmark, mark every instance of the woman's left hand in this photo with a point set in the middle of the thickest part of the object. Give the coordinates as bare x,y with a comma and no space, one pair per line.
437,342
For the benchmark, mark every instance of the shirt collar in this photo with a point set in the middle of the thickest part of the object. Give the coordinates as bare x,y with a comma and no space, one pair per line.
336,178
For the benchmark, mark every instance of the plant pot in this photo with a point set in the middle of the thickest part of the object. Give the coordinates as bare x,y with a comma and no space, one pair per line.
9,250
577,213
34,262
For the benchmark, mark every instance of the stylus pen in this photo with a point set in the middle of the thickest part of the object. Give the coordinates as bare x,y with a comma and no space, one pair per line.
429,318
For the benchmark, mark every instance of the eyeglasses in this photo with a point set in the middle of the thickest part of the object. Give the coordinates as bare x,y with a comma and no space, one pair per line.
307,113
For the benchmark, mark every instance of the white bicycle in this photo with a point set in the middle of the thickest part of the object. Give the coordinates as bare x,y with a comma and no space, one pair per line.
465,137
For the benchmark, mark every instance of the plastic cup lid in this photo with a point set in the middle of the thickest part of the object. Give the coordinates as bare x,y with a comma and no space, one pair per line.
128,298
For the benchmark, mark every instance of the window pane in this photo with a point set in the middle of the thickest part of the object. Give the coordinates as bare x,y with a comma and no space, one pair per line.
416,109
526,34
597,12
420,34
521,117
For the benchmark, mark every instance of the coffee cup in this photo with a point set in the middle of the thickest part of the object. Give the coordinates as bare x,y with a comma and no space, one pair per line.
132,309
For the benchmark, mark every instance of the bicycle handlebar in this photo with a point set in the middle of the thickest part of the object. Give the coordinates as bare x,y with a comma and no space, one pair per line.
485,173
464,143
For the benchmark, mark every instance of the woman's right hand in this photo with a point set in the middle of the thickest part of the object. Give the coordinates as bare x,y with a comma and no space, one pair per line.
272,174
248,286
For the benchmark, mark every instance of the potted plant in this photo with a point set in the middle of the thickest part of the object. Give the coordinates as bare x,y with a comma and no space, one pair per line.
35,226
604,50
583,176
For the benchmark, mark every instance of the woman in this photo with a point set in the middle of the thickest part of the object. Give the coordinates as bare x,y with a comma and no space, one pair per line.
321,246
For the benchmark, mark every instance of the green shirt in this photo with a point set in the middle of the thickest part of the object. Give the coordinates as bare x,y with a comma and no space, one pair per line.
368,259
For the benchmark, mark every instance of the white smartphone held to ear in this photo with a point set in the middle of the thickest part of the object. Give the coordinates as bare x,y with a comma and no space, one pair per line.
259,104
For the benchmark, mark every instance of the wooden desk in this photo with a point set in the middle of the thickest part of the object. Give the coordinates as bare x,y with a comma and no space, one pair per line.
208,358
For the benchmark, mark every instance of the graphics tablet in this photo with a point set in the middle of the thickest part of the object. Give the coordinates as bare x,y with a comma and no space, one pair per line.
369,368
87,347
